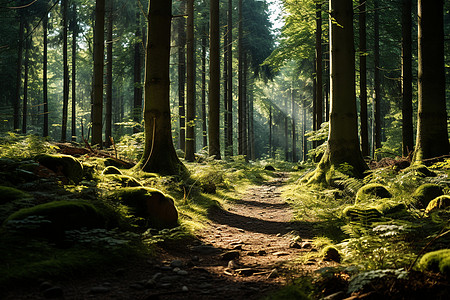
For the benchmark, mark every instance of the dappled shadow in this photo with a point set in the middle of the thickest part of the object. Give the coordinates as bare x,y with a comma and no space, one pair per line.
231,219
262,204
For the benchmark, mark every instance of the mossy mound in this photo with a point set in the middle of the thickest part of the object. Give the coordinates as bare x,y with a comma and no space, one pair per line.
117,163
68,165
9,194
52,219
111,170
123,180
330,253
269,168
425,193
362,215
372,190
441,202
390,207
436,261
157,208
420,170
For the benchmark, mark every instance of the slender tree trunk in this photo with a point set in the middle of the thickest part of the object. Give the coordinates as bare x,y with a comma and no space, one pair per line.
286,130
432,136
305,140
74,64
376,144
245,105
159,153
251,134
343,143
137,96
364,130
65,74
97,108
225,89
229,112
318,62
16,104
294,113
190,129
240,84
109,90
407,110
204,120
182,76
214,81
44,76
25,83
270,132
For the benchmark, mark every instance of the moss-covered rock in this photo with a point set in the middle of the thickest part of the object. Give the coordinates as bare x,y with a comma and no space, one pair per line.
436,261
372,190
420,170
9,194
441,202
53,218
151,204
425,193
67,165
111,170
362,215
123,180
390,207
330,253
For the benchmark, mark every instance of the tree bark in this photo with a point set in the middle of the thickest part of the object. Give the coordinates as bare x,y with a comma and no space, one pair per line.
97,105
65,74
190,126
16,104
181,24
159,153
214,82
407,109
204,117
25,83
137,96
44,76
74,64
376,136
305,140
109,91
225,89
286,130
240,84
229,111
364,131
343,143
294,139
318,62
432,136
270,132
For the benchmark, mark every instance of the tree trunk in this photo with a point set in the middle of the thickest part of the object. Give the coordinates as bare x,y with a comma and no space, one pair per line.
65,74
16,104
25,83
204,120
225,89
364,131
286,130
97,105
44,76
109,60
407,110
270,132
432,136
190,129
229,111
244,106
240,84
159,153
376,137
343,143
318,61
305,140
137,96
214,81
293,112
182,76
74,64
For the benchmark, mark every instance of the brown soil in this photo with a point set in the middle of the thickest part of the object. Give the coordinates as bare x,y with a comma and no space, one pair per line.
256,233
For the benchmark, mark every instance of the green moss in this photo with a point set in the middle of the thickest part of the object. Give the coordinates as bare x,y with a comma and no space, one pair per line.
53,218
420,170
362,215
124,180
441,202
68,165
372,190
330,253
111,170
425,193
436,261
9,194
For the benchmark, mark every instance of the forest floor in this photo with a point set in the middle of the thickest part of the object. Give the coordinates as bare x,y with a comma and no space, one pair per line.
248,249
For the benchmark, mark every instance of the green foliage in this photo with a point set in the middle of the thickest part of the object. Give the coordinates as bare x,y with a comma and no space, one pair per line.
20,147
299,289
425,193
361,280
441,202
436,261
373,190
9,194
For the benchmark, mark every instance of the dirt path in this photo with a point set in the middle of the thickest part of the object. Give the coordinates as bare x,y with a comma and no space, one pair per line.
245,252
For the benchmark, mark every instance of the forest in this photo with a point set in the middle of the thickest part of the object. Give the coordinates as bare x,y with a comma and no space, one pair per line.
224,149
